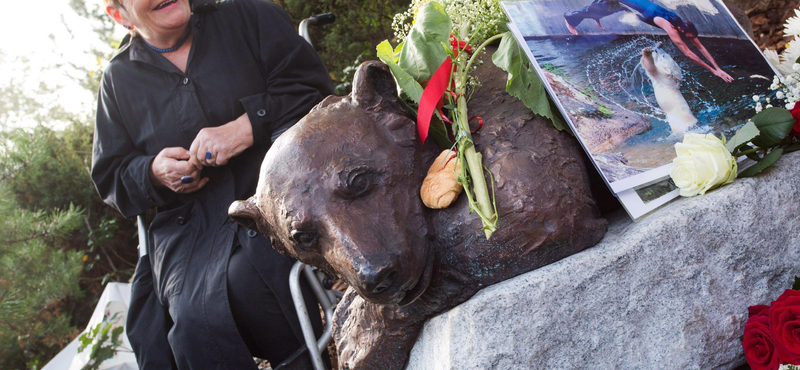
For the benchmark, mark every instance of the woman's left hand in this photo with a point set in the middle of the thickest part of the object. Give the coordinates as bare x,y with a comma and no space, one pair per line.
222,143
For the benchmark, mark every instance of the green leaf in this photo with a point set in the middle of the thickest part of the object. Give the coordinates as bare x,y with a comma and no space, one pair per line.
768,160
438,132
116,333
386,52
408,86
775,124
422,53
743,136
796,285
523,81
791,148
557,119
754,156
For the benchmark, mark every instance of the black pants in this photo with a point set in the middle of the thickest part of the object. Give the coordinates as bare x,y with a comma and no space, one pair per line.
258,316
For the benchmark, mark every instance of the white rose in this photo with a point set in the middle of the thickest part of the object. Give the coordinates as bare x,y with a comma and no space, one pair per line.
703,163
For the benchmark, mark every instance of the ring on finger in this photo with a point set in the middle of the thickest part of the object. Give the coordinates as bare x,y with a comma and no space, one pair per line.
211,159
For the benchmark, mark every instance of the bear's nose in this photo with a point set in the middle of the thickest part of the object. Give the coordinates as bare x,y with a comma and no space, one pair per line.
377,280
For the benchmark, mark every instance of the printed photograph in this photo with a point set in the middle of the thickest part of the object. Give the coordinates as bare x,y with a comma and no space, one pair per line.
633,76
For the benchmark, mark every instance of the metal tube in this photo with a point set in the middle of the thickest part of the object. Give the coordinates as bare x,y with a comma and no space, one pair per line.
303,30
143,240
331,297
302,315
326,307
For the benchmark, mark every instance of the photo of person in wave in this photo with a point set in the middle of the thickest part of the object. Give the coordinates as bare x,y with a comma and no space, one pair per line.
678,30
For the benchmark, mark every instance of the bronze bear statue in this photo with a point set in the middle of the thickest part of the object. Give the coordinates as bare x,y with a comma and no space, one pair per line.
340,191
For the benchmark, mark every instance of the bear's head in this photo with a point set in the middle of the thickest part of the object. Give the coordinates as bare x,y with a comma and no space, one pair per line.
340,191
658,62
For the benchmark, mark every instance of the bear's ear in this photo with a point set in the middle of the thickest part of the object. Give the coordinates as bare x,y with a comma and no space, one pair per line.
245,213
373,86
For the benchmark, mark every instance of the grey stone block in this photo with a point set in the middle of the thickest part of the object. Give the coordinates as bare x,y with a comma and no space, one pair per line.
668,292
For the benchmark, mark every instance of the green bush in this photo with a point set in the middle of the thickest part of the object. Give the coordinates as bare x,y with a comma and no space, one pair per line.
359,27
59,243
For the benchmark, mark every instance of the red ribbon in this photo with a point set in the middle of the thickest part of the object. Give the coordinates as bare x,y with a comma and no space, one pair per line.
432,96
458,45
480,124
452,157
435,89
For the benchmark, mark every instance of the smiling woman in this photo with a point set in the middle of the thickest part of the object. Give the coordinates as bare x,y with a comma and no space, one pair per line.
187,110
160,23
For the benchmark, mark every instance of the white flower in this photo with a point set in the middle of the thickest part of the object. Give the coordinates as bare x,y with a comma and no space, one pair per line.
779,94
792,26
484,15
756,98
790,55
773,58
702,163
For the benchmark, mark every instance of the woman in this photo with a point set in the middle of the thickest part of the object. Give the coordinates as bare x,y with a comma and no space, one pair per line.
187,110
678,30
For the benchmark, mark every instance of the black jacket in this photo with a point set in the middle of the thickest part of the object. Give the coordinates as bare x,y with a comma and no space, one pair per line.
246,57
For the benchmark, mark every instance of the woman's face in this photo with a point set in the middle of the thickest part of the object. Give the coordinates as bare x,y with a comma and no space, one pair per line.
154,18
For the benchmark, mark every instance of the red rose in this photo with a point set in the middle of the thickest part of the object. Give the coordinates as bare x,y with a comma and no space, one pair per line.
796,115
759,349
784,323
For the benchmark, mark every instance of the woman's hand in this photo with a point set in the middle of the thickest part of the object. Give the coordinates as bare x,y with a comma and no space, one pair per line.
215,146
172,169
723,75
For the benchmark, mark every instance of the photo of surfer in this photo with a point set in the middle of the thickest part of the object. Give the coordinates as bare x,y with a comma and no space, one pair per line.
679,31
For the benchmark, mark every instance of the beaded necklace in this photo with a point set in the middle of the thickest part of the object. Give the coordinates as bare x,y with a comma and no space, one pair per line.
180,43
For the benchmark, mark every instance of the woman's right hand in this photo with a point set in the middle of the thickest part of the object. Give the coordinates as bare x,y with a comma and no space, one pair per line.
723,75
170,166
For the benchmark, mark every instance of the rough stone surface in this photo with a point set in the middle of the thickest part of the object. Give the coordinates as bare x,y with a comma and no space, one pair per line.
668,292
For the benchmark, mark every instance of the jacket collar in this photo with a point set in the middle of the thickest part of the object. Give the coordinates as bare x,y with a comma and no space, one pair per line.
203,6
139,52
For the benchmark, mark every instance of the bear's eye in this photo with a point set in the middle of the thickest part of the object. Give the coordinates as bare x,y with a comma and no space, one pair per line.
303,239
355,183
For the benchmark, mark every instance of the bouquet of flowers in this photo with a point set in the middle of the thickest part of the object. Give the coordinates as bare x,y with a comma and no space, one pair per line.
438,48
770,340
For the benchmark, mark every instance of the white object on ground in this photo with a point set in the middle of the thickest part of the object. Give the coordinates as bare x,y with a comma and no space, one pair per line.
114,301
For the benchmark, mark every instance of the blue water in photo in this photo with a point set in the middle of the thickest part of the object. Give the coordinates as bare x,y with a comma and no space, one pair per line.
609,67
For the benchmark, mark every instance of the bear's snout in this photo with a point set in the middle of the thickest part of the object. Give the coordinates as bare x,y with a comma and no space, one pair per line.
377,280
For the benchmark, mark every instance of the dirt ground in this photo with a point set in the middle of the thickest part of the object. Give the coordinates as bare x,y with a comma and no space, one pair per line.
768,17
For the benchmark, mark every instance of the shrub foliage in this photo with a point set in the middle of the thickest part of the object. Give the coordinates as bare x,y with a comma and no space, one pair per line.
359,26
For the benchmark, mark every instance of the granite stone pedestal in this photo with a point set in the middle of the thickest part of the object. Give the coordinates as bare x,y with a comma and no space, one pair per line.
668,292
